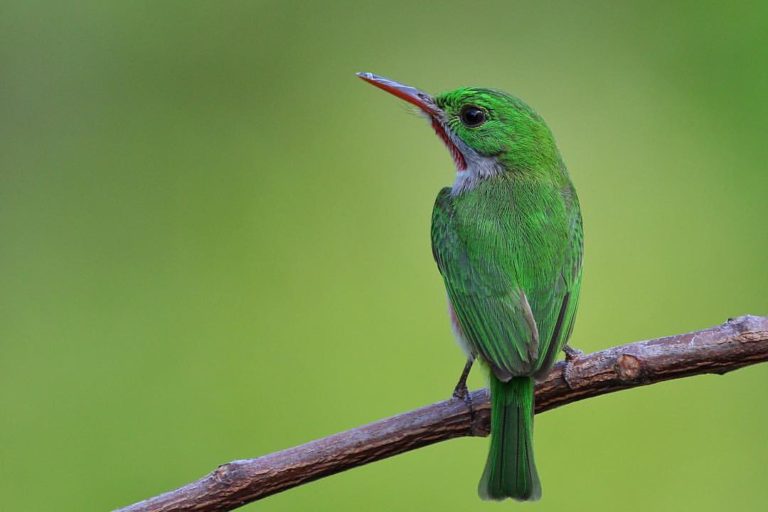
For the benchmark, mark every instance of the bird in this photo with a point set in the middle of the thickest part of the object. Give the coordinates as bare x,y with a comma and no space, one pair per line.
507,238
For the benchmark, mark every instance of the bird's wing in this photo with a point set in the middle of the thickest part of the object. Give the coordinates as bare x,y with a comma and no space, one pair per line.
564,293
492,310
513,327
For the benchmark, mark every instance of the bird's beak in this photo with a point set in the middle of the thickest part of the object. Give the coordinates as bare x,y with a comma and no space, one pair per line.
405,92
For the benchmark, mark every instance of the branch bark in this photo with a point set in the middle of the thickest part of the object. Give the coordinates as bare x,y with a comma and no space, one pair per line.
737,343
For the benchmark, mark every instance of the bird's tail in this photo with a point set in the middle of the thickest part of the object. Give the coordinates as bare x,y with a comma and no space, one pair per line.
510,470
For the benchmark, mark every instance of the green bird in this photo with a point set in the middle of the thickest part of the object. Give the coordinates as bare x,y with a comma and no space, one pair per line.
507,238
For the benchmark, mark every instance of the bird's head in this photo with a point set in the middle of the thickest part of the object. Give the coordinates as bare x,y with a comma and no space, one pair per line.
487,132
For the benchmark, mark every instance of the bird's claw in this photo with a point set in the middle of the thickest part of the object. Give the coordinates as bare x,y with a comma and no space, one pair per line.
460,391
571,353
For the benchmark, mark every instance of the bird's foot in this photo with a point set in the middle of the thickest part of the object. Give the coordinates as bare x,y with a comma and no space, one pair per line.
460,391
571,353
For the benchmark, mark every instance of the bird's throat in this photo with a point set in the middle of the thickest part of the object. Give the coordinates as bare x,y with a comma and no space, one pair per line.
456,154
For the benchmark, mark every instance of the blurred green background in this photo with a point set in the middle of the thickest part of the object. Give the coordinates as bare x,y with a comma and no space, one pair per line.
215,242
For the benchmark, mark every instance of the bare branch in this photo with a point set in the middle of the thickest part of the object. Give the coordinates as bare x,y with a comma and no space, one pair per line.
737,343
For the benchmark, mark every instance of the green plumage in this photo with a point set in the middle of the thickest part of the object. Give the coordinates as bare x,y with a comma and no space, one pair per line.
507,238
510,273
510,249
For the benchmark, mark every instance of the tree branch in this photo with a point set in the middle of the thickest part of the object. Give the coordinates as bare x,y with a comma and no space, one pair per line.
737,343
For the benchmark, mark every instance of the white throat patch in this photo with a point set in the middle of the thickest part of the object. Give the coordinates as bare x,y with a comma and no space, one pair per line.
479,167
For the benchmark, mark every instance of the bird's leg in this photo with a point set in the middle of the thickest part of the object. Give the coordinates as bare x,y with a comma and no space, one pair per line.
571,353
460,391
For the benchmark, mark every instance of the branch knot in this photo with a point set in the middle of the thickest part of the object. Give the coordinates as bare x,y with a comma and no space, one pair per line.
628,367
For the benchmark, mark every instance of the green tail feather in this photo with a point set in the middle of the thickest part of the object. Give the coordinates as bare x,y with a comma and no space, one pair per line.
510,470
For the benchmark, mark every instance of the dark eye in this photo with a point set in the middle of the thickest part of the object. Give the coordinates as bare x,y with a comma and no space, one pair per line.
472,116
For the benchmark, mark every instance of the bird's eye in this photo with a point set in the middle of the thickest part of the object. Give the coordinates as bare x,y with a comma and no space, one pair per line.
472,116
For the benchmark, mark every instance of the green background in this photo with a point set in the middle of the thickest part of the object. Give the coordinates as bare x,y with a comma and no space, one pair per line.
214,242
